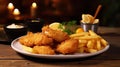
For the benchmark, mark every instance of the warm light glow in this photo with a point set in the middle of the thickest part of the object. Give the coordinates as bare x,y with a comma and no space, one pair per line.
34,5
16,12
10,6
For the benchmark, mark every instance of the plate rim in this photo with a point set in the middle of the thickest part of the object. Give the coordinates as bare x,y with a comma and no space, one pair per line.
60,56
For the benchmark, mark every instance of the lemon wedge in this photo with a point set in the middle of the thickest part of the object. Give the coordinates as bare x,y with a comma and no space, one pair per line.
57,26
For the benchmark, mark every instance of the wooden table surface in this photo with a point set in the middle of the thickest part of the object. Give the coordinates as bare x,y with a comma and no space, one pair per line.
110,58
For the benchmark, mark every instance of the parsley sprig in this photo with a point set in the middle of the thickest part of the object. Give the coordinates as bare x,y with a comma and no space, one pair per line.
68,25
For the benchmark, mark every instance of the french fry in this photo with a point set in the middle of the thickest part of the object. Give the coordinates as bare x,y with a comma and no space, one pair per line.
98,45
92,50
89,42
104,42
28,49
81,45
93,41
81,50
89,37
83,41
92,33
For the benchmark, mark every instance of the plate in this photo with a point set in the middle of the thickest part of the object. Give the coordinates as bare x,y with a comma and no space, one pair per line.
18,48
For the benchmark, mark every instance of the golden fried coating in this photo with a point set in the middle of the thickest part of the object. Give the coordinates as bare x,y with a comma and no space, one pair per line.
32,39
42,39
68,46
27,39
57,35
43,50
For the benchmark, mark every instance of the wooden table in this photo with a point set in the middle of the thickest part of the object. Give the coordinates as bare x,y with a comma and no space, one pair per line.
110,58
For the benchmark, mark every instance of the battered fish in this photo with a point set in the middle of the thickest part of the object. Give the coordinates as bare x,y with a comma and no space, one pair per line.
27,40
43,50
68,46
57,35
32,39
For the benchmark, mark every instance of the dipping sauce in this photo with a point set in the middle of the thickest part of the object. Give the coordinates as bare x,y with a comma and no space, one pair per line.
15,30
14,26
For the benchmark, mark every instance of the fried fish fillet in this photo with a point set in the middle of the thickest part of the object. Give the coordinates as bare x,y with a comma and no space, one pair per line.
57,35
68,46
27,39
32,39
43,50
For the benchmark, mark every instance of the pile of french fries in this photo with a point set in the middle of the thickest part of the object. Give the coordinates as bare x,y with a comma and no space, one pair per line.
89,42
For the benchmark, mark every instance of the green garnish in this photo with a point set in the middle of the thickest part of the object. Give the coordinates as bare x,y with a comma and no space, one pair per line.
67,31
68,25
61,26
71,23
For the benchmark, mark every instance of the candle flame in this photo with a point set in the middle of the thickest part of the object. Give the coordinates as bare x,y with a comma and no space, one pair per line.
34,5
16,12
10,6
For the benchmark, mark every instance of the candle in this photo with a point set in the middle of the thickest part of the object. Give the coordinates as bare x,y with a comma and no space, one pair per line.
16,13
10,8
33,9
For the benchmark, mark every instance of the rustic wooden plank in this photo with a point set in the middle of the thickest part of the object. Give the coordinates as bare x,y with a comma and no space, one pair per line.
86,63
6,52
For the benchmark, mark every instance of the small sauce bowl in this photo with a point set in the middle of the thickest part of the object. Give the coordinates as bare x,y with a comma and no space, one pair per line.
15,30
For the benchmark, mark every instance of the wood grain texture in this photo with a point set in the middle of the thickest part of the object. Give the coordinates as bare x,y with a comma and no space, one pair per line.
87,63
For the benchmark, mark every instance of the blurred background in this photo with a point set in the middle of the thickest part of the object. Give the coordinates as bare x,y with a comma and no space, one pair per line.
65,10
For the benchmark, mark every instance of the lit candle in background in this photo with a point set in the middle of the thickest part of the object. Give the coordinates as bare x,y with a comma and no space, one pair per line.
33,9
16,13
10,8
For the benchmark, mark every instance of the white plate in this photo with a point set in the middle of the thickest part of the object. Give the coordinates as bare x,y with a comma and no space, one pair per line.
18,47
